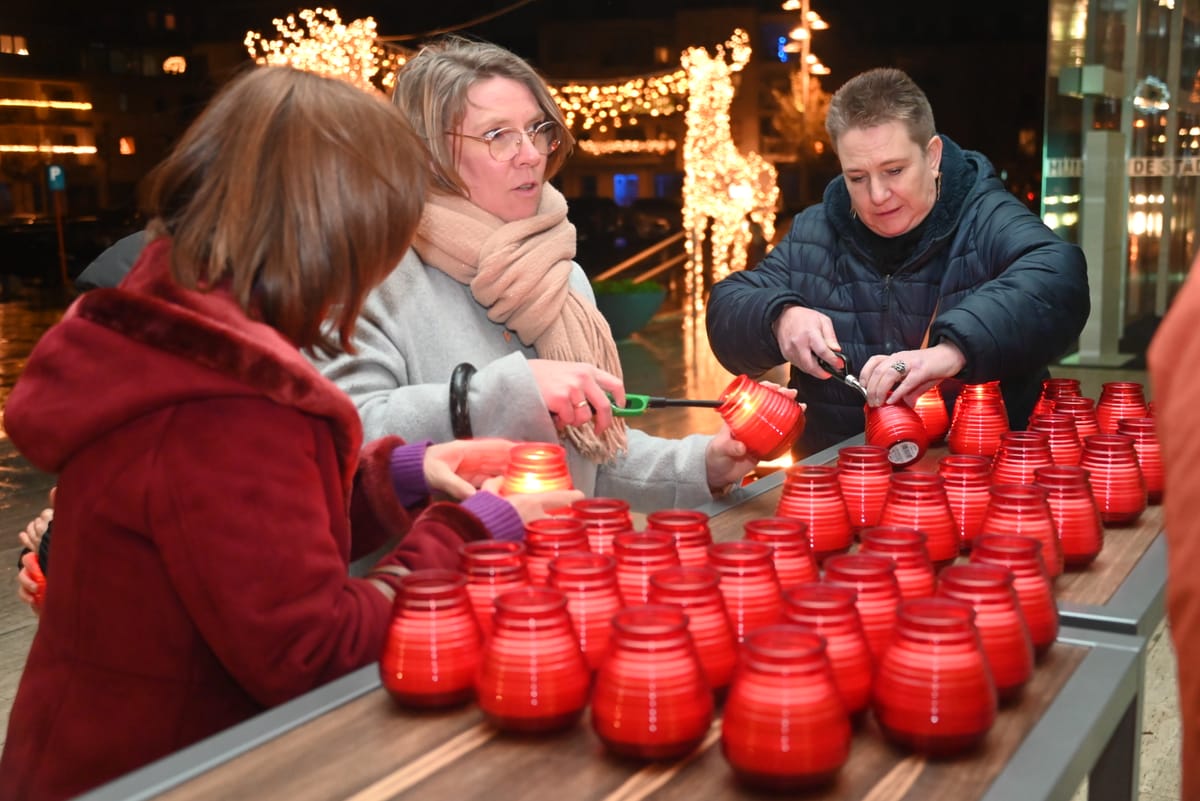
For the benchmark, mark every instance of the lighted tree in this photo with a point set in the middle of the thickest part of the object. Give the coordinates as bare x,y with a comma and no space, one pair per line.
317,40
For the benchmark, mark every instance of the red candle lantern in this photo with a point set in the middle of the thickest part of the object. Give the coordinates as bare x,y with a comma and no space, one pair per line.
899,430
788,538
812,495
1118,400
1002,629
546,538
1145,443
748,584
639,556
690,529
785,726
873,578
1117,480
933,692
766,420
536,467
931,408
1052,390
1083,411
863,473
906,548
532,676
918,500
650,700
433,643
979,420
1061,436
696,590
1023,509
829,609
589,583
1019,455
967,480
492,568
1076,516
1023,556
602,517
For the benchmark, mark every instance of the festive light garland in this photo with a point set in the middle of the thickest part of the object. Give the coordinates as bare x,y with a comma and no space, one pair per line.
601,105
657,147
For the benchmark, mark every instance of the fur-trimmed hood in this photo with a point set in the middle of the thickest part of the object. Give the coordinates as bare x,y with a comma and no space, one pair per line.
121,353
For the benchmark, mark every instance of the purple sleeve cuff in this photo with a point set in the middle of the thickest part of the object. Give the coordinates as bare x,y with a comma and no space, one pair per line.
408,473
497,515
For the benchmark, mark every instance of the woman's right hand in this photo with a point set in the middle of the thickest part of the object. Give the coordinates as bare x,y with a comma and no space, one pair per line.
458,467
804,335
31,583
536,505
575,392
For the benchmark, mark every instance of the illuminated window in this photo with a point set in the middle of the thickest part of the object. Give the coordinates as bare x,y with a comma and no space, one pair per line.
6,44
126,146
175,65
169,21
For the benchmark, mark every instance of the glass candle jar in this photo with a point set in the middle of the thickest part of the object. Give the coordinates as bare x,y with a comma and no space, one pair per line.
650,700
765,419
933,692
863,474
1149,454
1076,516
898,429
979,420
690,529
906,548
790,552
536,467
812,495
589,583
931,408
748,584
1117,480
1023,509
433,643
918,500
873,578
532,676
1019,455
785,726
1002,629
1052,390
492,567
639,556
696,590
967,480
1061,436
1118,400
546,538
829,609
1023,556
1082,411
602,518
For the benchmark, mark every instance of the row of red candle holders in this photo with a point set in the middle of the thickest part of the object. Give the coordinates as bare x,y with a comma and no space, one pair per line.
694,590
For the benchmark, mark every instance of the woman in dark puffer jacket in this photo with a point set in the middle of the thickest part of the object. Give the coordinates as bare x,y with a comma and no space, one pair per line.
918,265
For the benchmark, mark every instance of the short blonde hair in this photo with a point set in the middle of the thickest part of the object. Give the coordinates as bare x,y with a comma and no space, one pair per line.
431,90
880,96
301,192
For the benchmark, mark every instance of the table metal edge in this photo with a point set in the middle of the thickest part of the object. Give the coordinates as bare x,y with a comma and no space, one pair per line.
1139,603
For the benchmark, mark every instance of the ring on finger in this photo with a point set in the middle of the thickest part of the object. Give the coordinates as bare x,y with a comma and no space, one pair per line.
900,367
581,404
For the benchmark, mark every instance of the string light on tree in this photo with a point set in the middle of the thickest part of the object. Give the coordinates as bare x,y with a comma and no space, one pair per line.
601,105
317,40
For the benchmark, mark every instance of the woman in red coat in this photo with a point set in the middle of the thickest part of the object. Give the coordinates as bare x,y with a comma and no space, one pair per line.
212,485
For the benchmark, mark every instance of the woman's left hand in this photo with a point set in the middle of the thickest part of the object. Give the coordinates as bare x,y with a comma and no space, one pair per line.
727,460
886,382
460,466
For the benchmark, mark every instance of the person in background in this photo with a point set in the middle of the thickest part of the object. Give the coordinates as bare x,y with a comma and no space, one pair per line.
918,265
212,485
487,326
1171,357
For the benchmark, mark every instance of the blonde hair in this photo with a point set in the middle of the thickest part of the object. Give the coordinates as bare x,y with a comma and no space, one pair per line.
297,191
431,90
880,96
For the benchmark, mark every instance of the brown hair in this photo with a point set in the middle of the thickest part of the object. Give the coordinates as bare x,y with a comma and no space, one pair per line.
297,191
880,96
431,90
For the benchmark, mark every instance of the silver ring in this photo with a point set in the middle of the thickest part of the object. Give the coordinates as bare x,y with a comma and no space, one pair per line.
581,404
900,367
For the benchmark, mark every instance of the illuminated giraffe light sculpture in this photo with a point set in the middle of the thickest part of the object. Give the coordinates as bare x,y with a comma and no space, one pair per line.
720,183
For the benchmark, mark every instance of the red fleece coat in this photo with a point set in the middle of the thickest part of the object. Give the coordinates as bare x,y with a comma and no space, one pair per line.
209,482
1173,357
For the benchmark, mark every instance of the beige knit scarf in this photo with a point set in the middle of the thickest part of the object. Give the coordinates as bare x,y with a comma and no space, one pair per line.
518,271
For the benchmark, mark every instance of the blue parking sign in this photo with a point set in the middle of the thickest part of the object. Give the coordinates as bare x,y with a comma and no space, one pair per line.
56,176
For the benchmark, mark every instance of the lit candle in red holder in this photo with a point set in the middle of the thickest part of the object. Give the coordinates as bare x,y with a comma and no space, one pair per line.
536,467
766,420
979,420
931,408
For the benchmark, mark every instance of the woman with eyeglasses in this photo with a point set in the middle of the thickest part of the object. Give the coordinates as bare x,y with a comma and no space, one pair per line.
488,327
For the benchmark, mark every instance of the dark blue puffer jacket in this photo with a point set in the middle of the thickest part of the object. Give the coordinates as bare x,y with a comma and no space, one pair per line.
1007,291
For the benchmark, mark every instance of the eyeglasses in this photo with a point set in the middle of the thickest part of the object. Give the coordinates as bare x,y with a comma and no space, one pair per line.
505,143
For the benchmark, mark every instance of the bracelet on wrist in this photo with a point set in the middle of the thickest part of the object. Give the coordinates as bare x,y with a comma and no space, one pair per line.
460,414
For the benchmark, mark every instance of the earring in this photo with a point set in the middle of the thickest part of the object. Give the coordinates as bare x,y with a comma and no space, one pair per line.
853,212
937,183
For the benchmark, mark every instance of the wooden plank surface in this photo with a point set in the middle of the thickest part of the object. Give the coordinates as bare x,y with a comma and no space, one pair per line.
371,750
